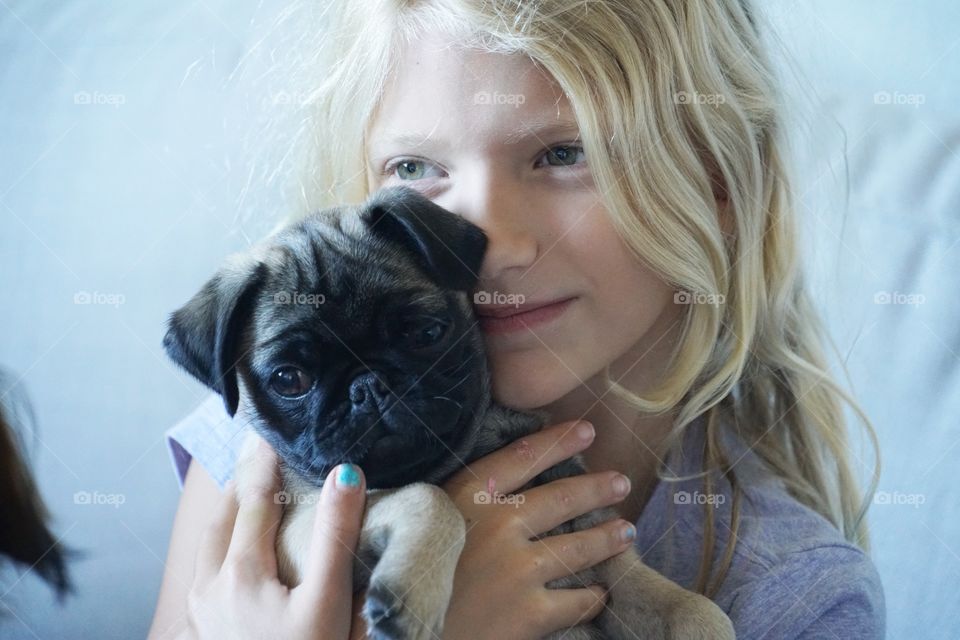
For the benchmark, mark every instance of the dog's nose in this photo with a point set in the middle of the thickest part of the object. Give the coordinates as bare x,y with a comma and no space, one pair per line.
368,388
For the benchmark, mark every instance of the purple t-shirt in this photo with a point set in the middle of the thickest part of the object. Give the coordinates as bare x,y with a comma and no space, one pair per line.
792,575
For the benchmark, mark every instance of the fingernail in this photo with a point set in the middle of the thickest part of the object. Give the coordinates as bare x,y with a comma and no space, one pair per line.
348,477
621,485
585,431
628,533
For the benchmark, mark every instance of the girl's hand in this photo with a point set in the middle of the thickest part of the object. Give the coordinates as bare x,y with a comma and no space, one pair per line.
236,592
499,587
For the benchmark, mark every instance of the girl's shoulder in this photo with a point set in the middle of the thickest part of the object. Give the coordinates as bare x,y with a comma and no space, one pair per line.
210,435
792,575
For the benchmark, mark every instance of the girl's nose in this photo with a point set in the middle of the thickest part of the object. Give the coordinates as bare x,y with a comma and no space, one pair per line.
505,214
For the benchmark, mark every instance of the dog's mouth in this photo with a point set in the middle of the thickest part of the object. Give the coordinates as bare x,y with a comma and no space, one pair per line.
394,461
388,460
386,447
398,474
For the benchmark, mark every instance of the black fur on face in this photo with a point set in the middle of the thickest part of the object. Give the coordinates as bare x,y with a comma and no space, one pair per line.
350,336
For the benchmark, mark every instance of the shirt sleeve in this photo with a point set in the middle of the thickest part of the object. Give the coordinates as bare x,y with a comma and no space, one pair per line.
823,592
209,435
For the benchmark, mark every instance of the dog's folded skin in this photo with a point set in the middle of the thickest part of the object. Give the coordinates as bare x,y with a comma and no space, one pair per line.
350,336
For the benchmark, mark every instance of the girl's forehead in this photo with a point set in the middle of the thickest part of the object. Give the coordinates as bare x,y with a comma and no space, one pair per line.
439,90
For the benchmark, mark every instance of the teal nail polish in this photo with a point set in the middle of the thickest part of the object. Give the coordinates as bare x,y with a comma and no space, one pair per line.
348,476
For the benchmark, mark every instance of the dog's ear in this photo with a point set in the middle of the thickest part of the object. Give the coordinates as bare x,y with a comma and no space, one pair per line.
202,336
447,246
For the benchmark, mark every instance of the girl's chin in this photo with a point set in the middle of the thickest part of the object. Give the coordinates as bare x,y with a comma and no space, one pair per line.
523,389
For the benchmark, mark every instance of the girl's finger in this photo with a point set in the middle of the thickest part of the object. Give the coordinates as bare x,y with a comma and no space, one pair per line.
258,516
216,539
511,467
569,553
328,575
548,505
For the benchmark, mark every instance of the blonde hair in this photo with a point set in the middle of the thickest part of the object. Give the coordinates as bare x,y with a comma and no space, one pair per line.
678,112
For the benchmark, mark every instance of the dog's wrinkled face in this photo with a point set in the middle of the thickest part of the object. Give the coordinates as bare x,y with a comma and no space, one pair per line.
349,336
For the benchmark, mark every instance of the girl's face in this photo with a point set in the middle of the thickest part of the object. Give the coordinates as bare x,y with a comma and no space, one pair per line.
492,138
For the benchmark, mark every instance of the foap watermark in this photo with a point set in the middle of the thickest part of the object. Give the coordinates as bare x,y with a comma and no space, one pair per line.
285,497
897,98
486,497
297,297
98,297
685,497
698,297
496,98
291,97
97,498
499,298
899,499
898,297
97,98
693,97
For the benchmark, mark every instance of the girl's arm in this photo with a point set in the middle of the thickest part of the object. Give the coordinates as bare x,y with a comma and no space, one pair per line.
200,496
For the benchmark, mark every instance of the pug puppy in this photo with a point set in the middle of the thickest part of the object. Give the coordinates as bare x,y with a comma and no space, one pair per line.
350,336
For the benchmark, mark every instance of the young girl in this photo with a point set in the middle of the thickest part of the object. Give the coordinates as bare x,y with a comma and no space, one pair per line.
626,161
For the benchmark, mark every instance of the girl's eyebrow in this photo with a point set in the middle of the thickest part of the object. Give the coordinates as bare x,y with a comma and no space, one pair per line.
541,129
537,129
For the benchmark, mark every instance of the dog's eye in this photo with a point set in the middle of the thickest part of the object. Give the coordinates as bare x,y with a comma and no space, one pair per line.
424,334
291,382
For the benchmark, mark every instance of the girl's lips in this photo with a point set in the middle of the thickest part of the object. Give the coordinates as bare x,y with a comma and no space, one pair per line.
532,318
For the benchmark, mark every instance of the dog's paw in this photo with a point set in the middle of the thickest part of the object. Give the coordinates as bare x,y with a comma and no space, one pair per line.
390,617
698,618
382,612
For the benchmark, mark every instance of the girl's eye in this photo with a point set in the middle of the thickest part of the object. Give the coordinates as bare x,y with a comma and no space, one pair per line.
563,155
409,169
